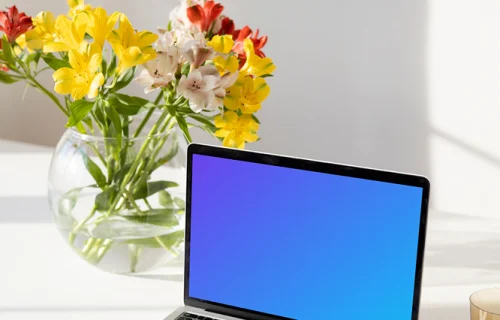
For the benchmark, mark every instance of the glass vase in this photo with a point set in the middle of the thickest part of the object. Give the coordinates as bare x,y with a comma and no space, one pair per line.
119,201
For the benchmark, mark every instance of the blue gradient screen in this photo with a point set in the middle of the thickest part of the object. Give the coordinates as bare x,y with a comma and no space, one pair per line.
302,244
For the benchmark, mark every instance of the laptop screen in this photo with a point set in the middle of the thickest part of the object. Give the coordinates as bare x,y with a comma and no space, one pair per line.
302,244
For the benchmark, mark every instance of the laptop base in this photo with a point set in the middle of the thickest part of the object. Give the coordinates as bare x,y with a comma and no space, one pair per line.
199,312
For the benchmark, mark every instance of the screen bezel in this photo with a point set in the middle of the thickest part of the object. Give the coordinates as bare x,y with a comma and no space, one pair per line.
308,165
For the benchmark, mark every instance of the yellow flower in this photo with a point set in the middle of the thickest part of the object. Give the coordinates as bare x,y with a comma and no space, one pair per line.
132,48
101,24
224,62
222,44
69,34
83,78
247,95
229,64
77,6
44,31
236,130
255,65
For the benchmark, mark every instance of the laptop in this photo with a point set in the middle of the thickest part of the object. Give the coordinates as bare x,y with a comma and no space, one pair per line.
274,237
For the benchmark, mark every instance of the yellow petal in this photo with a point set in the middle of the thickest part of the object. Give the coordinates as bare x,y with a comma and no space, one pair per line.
249,48
227,141
114,37
98,28
97,82
232,64
77,61
112,20
132,56
64,80
219,121
248,84
262,90
33,40
222,44
221,133
251,108
55,47
250,137
146,38
230,116
232,101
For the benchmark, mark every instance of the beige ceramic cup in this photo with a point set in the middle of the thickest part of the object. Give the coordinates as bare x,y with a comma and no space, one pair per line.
485,305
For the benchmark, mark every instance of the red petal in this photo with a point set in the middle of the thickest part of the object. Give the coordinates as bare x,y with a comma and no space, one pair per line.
242,34
196,15
215,11
3,18
228,26
13,12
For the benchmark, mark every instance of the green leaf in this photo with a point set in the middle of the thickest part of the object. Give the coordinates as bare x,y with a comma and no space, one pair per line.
54,62
202,119
128,105
63,218
99,115
124,80
255,118
169,26
119,228
165,199
94,171
180,203
170,240
185,69
104,68
6,78
169,156
8,54
33,58
78,110
117,123
120,175
157,217
104,199
268,75
184,127
147,189
112,65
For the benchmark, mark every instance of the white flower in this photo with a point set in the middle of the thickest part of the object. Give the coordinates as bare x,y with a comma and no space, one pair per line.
198,87
197,52
178,16
225,82
159,72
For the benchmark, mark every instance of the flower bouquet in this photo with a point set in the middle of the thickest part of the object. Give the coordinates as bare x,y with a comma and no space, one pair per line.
116,178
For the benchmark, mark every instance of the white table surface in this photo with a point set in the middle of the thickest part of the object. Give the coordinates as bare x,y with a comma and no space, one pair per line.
40,278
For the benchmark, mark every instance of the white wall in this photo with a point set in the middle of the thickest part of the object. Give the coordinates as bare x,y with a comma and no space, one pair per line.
464,105
350,84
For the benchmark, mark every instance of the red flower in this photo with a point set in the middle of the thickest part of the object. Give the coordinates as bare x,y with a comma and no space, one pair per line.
227,27
239,37
14,23
204,17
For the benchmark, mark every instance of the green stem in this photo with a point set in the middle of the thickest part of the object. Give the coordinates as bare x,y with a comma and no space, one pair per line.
144,121
132,200
49,94
148,116
158,239
79,227
102,251
158,147
147,204
138,160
